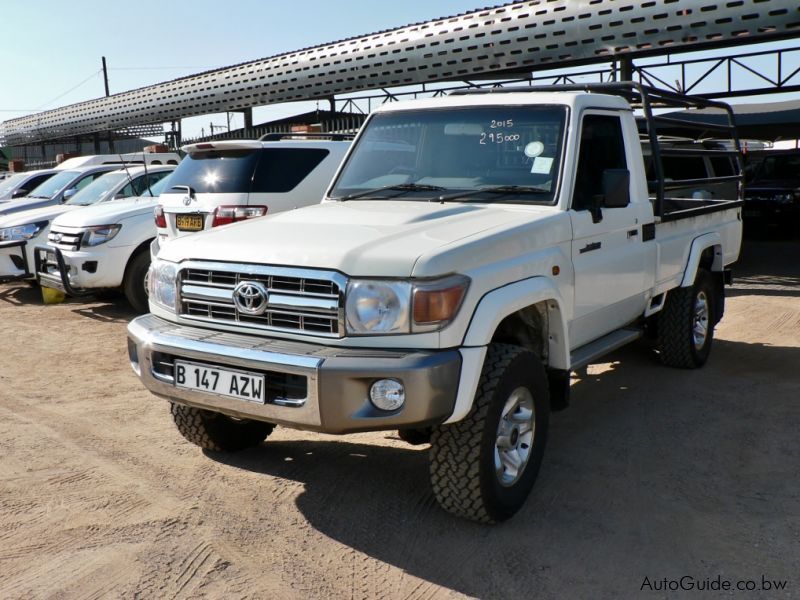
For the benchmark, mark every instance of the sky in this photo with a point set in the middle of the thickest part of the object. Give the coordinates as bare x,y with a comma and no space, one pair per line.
53,49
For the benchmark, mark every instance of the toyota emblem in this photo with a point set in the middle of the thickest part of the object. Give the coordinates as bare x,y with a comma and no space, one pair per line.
187,200
250,298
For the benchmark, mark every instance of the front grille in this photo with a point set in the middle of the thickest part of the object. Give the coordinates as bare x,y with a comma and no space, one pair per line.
304,301
65,240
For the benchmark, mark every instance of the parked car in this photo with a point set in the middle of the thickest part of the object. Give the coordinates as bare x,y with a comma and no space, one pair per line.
447,295
772,193
224,182
20,232
18,185
75,263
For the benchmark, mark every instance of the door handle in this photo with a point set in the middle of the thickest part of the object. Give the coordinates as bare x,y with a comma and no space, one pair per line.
633,233
590,247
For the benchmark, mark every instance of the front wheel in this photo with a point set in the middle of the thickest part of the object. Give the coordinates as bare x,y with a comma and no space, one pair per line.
218,432
483,467
686,324
134,285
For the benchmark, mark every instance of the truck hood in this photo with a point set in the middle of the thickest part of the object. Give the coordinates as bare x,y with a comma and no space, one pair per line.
15,206
35,215
107,213
363,238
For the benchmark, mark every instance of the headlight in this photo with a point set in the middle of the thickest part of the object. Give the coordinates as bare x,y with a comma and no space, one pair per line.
162,284
22,232
378,306
395,307
100,234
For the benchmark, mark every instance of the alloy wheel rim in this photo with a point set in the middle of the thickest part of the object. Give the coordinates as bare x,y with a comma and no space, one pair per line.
514,440
700,320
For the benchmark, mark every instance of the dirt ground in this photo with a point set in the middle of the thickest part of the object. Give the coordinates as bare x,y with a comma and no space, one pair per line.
651,472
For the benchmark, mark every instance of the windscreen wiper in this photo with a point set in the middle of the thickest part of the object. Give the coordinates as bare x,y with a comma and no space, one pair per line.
402,187
516,190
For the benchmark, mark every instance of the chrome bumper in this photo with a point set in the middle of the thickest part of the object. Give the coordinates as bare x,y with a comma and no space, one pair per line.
337,380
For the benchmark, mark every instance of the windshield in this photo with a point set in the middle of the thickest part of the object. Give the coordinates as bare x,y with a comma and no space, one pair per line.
55,184
11,183
782,166
432,154
98,190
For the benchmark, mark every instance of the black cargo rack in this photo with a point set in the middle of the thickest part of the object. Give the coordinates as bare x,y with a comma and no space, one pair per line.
307,135
647,99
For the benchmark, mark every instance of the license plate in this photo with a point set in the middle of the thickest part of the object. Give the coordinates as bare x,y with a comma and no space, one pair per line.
241,385
189,222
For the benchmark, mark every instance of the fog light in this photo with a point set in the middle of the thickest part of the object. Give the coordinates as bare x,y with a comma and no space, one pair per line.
387,394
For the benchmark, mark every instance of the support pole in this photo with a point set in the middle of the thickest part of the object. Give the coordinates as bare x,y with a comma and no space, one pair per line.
108,93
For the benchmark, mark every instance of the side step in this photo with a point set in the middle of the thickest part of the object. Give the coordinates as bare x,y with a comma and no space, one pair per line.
587,354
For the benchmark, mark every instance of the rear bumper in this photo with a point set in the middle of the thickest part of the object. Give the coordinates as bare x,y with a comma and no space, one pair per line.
335,396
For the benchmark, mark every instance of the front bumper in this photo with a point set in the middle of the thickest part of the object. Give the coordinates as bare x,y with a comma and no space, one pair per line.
337,380
14,261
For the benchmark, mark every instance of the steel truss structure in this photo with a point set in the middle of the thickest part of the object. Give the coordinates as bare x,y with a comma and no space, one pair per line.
516,38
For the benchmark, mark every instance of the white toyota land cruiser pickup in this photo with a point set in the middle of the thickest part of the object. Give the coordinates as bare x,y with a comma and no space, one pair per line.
471,251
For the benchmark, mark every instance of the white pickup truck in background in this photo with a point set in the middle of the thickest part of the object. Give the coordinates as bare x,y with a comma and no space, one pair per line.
78,264
471,252
20,232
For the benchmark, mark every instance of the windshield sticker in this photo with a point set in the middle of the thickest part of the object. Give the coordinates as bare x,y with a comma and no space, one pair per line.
542,165
534,149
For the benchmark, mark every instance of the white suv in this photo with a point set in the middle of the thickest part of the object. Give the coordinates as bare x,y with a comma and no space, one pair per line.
223,182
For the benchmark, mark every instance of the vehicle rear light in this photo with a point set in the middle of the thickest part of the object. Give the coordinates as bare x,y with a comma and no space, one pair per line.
161,220
224,215
204,146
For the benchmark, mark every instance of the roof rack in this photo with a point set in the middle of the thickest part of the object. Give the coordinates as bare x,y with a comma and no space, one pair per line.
335,137
646,98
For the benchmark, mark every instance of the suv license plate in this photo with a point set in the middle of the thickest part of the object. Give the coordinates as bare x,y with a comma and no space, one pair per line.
241,385
189,222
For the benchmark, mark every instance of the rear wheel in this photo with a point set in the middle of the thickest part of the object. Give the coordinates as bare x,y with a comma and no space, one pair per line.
215,431
134,285
686,323
483,467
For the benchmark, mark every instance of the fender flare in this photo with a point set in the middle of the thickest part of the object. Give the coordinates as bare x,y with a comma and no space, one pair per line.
699,245
501,302
491,310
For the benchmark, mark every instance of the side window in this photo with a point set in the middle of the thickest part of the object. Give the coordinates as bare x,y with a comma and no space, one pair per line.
138,187
35,181
87,180
280,170
602,147
723,166
679,168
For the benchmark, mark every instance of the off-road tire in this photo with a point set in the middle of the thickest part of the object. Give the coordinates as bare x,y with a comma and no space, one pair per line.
218,432
133,285
416,437
675,342
462,455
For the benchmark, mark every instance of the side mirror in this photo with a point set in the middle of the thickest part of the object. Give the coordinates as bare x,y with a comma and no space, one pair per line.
616,193
20,193
119,195
69,194
616,188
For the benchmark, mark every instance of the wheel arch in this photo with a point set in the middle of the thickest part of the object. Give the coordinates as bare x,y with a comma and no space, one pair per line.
528,313
705,252
143,247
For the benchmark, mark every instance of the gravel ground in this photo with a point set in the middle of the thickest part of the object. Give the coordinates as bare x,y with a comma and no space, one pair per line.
652,473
